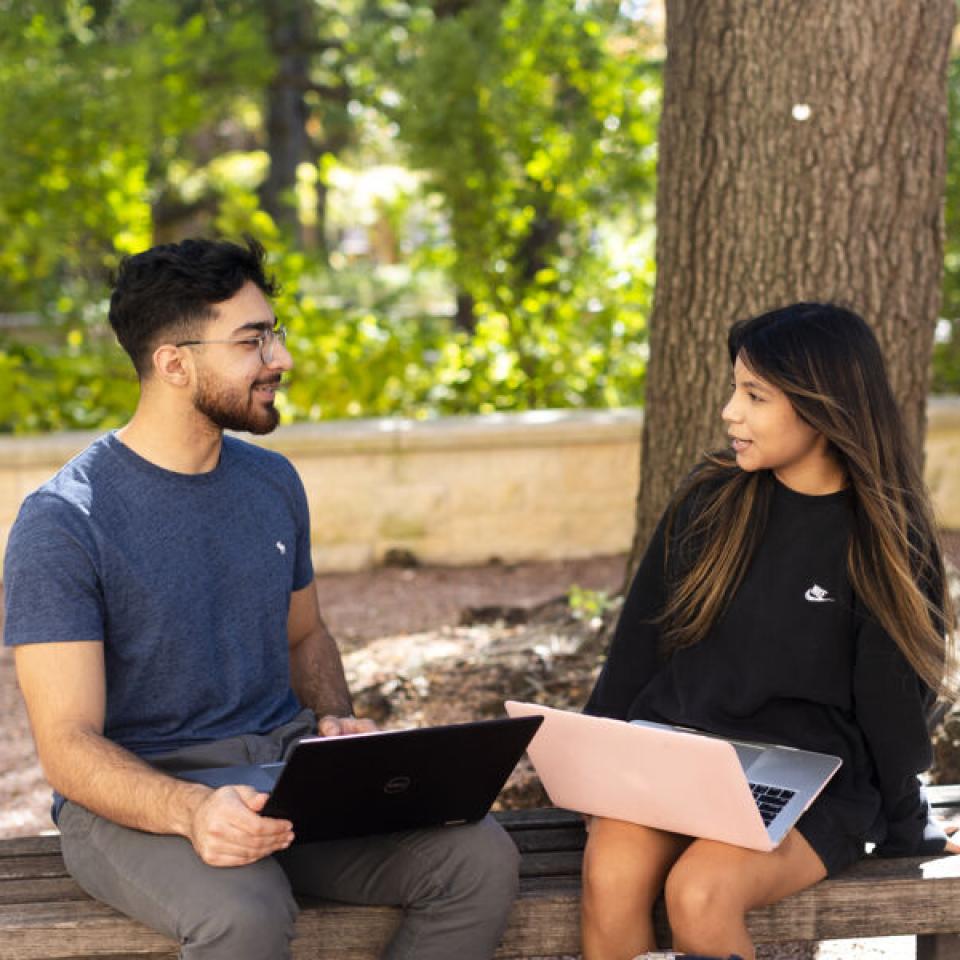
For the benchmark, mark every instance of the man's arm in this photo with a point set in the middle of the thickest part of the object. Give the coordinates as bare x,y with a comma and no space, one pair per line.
64,687
316,670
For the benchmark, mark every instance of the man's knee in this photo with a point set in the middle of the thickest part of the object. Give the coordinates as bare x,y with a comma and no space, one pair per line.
240,913
488,859
480,862
251,921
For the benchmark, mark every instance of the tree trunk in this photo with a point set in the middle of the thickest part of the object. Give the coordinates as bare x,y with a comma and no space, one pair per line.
465,318
292,40
802,157
336,138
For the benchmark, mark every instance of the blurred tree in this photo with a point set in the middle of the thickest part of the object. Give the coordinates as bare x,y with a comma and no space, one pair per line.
108,113
801,157
533,122
98,101
292,35
307,118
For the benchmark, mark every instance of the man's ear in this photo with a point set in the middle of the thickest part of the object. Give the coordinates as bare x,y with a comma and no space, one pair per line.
169,367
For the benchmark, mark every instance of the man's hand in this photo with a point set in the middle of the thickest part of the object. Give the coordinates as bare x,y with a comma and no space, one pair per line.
227,830
330,726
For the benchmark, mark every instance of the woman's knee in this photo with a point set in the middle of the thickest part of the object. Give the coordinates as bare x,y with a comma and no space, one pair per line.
697,900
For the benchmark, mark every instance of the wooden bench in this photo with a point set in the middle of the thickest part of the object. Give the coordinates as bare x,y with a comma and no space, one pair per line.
45,916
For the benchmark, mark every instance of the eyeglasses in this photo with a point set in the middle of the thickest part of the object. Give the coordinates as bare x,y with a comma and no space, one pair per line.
265,342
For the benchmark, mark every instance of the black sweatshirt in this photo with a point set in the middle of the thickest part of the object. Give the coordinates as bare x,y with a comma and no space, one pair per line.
794,659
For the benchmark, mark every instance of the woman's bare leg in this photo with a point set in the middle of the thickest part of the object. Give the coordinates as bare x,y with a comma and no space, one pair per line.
712,886
624,867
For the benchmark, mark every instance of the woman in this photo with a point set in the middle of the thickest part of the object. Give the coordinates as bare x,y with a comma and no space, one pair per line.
794,593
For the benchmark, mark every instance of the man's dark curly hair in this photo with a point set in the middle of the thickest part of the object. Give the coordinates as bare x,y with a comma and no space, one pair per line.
167,292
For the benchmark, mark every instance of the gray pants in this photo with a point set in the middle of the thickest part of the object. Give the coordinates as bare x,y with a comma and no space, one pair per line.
456,885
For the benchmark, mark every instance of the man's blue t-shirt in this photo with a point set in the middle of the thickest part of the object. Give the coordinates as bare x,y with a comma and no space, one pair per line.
186,579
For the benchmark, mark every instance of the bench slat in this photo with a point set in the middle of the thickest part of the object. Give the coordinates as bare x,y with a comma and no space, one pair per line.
40,890
564,863
45,916
537,841
41,865
28,846
538,818
76,930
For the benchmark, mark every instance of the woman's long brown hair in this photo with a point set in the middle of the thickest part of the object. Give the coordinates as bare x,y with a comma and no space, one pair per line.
828,362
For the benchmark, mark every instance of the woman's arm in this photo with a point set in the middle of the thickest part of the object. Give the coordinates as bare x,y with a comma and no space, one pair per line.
891,705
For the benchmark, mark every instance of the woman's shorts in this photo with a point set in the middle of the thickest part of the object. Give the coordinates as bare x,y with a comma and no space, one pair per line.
835,849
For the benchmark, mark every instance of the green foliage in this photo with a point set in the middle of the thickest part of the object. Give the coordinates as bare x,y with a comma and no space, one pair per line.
588,605
356,362
89,384
98,100
532,124
379,355
538,135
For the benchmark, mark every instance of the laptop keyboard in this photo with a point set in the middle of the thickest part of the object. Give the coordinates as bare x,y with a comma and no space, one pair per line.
770,800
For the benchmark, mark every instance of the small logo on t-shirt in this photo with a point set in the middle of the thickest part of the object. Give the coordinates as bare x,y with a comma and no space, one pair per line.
816,594
281,547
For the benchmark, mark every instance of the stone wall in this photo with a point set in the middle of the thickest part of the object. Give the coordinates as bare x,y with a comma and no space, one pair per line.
459,490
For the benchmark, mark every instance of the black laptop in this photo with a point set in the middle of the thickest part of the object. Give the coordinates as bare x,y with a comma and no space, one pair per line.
352,786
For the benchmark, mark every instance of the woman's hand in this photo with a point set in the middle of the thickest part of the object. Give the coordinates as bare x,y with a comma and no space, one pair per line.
950,828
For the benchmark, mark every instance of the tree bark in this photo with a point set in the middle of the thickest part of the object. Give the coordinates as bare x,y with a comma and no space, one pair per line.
292,39
802,157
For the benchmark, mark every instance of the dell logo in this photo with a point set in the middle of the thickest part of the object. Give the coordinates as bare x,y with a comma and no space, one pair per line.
396,785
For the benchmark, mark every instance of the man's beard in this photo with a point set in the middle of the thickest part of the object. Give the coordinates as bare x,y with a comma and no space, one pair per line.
234,409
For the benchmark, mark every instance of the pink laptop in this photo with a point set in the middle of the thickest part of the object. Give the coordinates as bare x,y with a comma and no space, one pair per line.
744,793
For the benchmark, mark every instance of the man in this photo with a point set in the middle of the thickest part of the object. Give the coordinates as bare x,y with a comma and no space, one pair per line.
161,603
